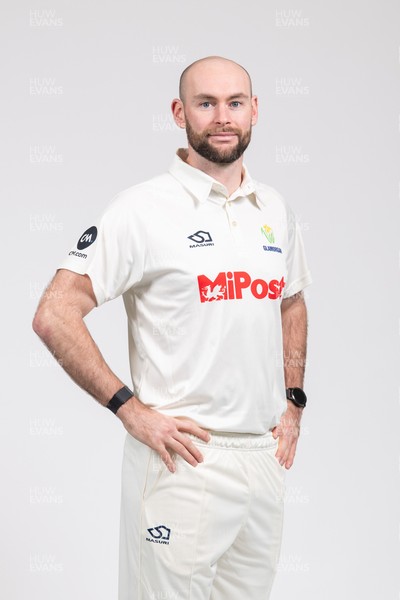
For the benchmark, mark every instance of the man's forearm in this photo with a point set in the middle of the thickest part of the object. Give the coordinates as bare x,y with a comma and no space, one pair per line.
68,339
294,332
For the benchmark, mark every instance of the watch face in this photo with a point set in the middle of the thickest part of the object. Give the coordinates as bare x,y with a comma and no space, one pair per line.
297,396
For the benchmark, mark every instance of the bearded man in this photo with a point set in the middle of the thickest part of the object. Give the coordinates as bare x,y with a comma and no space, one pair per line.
211,267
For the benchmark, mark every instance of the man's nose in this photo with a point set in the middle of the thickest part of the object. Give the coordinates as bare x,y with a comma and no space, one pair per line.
221,115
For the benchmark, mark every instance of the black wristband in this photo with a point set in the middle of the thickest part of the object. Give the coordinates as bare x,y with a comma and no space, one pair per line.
119,399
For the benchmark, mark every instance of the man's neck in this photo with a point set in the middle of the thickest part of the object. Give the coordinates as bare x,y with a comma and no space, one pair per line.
230,175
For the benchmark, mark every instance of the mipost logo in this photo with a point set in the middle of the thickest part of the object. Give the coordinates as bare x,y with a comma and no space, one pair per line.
230,285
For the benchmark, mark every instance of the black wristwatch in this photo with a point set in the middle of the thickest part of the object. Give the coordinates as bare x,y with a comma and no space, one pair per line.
119,399
297,396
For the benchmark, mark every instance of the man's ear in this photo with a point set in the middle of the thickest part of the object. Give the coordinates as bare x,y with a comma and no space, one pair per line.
254,110
178,112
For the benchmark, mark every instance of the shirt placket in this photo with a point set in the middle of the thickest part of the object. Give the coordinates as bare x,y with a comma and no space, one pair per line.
230,205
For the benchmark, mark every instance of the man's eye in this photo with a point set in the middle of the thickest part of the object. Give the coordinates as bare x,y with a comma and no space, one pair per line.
235,103
206,104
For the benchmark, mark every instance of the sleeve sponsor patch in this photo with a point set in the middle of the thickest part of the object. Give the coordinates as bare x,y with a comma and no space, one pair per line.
87,238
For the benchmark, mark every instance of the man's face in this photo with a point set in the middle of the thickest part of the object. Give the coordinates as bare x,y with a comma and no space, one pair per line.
219,111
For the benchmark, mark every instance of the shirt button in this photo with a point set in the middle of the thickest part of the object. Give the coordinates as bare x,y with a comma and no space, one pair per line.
234,223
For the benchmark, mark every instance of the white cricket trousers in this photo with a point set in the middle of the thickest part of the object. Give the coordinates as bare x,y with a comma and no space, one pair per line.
210,532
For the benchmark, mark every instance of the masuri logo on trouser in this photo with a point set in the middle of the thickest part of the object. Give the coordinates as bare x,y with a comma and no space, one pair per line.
230,285
159,534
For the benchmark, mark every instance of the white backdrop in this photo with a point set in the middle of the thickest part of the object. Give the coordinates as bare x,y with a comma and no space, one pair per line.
85,113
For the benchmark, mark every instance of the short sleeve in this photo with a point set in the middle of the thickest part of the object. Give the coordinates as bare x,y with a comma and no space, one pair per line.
110,252
298,273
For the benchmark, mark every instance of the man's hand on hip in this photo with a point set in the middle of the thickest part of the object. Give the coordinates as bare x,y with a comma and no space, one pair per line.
162,433
288,432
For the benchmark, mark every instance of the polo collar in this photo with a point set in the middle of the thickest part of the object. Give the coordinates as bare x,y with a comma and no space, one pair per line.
199,184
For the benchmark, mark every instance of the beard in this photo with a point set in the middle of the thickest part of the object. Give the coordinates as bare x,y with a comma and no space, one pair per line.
224,156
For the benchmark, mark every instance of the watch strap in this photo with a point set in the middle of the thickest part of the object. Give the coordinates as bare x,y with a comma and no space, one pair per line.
119,399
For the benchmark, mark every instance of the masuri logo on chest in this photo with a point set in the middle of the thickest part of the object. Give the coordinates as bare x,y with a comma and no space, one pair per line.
230,285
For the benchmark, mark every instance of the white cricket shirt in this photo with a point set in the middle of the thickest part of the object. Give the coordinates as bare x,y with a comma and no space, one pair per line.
202,276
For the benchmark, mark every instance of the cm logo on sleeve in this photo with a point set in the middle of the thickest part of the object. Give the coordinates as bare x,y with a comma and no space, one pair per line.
87,238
